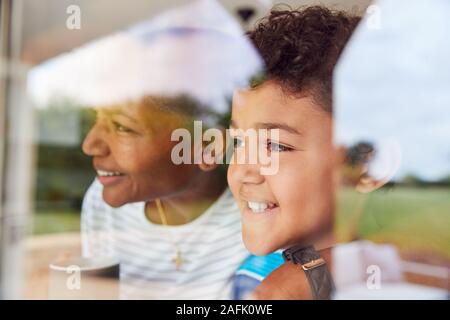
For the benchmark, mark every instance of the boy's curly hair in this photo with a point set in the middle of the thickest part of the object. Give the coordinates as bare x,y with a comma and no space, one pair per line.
301,47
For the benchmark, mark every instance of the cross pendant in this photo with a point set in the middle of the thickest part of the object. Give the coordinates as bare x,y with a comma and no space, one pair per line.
178,260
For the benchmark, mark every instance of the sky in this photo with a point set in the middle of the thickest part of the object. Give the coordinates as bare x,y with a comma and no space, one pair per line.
392,87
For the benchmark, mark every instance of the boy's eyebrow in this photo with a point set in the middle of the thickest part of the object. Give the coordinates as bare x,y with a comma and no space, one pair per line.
269,126
277,125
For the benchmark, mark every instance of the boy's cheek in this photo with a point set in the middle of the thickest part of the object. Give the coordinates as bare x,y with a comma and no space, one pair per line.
284,186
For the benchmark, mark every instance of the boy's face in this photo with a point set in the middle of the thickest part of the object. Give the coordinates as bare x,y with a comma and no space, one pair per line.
133,143
298,199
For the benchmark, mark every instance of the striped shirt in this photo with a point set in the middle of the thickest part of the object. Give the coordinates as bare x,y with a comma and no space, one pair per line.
211,248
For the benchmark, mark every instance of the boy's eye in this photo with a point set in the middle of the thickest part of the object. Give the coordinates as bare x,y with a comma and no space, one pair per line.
120,128
237,142
276,147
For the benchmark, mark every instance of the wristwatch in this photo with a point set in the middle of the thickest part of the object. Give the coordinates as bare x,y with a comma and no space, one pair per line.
315,268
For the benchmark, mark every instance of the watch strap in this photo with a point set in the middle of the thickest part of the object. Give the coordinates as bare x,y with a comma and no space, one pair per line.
315,268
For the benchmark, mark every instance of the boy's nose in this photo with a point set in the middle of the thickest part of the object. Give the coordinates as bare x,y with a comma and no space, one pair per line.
94,144
246,173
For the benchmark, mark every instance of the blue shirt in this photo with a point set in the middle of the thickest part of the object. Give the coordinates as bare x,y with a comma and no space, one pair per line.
252,271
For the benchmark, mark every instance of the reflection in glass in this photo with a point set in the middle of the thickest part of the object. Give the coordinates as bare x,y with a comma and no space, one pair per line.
392,117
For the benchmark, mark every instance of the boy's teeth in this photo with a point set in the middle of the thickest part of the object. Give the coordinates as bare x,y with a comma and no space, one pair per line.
257,207
102,173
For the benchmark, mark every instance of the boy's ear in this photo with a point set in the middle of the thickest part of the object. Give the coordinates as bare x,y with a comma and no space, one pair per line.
367,166
381,168
368,184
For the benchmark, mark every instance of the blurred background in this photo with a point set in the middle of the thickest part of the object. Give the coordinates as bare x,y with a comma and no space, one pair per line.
44,143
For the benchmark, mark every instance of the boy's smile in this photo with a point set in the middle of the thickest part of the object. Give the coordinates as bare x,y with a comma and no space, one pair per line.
294,205
257,206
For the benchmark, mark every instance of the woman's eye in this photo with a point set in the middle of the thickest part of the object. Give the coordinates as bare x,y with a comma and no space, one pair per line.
237,142
276,147
120,128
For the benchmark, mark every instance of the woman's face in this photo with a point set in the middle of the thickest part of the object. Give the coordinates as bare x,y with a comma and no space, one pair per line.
131,150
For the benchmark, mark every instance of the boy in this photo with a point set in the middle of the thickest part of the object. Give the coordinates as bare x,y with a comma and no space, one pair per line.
294,206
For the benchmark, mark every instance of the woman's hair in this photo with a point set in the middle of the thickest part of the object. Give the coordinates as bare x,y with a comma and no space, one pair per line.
301,47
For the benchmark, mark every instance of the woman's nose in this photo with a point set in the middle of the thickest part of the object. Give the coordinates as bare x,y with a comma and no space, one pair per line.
95,144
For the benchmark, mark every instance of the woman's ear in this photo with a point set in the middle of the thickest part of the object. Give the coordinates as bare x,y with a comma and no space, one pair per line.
213,153
207,167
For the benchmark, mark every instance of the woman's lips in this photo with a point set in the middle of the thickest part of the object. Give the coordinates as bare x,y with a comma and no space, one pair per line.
109,178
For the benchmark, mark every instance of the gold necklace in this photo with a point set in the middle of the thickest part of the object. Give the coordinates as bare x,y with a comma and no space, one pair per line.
162,215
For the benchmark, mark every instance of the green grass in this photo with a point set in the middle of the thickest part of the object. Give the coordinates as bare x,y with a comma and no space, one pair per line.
56,221
416,220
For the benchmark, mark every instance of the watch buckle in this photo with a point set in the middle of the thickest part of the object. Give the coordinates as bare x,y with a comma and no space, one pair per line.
313,264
